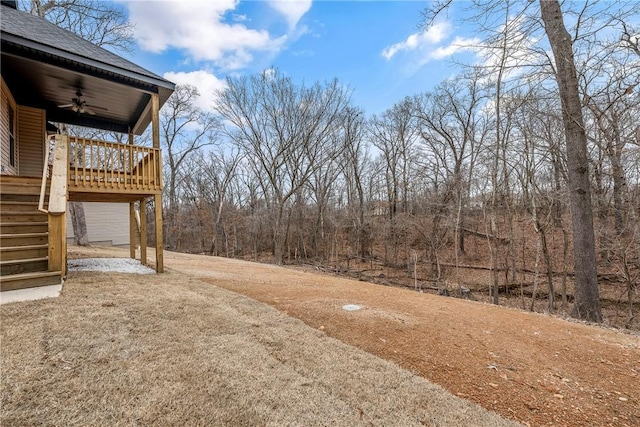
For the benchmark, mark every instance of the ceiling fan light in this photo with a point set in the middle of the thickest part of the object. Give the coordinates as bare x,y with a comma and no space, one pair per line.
75,108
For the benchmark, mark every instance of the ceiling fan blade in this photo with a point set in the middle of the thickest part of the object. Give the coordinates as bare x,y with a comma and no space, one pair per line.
88,110
65,105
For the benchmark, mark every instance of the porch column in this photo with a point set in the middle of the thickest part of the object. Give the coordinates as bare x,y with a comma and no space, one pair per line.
155,134
143,232
133,229
58,207
57,242
133,226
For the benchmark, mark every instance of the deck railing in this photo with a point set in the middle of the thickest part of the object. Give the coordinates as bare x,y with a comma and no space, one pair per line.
101,166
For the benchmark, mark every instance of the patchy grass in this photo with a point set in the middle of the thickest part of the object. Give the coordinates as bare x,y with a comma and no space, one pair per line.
123,349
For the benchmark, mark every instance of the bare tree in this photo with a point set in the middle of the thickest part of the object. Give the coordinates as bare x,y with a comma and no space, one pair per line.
587,303
286,131
322,183
102,23
394,134
208,182
448,124
185,129
587,295
354,165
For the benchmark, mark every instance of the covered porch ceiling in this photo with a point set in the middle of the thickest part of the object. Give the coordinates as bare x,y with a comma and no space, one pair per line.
45,67
119,105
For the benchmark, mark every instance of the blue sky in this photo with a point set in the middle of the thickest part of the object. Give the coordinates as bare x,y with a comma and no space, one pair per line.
373,47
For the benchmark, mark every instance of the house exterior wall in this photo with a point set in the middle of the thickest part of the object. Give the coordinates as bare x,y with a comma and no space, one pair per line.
31,137
7,104
107,223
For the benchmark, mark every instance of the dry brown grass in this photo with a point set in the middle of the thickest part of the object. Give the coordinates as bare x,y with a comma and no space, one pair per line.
120,349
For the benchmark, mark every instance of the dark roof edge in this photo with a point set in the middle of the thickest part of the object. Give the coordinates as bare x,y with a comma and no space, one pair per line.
10,38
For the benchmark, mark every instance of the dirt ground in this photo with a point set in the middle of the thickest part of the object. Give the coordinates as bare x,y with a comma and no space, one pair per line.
171,350
533,368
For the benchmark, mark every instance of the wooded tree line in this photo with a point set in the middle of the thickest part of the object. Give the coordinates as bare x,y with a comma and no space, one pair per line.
298,172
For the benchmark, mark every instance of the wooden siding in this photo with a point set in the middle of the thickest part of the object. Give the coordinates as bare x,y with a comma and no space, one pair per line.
6,100
31,137
107,223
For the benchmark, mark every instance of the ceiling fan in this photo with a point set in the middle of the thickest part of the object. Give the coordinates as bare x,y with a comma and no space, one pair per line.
79,105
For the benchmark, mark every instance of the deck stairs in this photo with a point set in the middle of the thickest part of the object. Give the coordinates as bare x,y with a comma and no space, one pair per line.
23,236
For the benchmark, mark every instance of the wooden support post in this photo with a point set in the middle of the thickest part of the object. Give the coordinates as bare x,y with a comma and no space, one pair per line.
155,135
63,240
159,244
57,225
155,120
57,242
133,229
143,232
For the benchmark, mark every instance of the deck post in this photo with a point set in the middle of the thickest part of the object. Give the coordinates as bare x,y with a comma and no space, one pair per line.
57,242
143,232
155,134
133,228
158,223
58,206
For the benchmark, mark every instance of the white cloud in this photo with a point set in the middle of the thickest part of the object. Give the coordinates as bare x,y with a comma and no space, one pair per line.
435,34
428,46
458,44
206,82
198,27
520,53
292,10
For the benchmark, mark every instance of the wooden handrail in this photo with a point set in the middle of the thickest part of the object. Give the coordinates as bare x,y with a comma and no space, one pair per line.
45,170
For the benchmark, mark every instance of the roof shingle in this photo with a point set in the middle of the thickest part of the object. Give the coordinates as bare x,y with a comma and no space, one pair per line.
35,29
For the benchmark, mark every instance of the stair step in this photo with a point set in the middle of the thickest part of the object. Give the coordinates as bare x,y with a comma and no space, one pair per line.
29,280
32,198
23,236
21,185
21,188
23,216
24,239
19,266
31,192
10,253
10,206
23,227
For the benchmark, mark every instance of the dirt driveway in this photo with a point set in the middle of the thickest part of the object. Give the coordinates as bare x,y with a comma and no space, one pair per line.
537,369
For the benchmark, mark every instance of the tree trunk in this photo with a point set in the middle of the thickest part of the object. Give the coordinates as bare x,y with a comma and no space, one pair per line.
619,186
587,298
551,300
79,223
